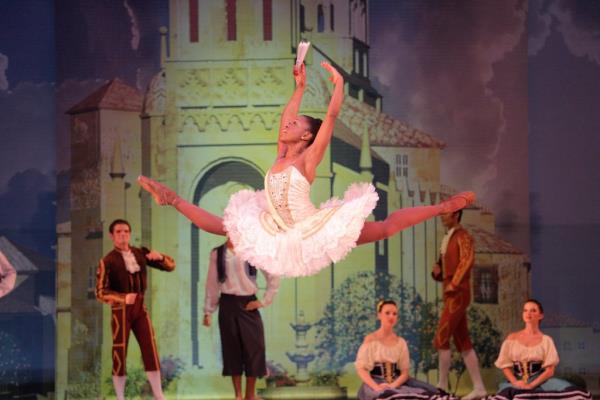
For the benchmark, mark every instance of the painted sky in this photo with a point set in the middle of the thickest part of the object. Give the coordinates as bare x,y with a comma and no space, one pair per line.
458,70
514,94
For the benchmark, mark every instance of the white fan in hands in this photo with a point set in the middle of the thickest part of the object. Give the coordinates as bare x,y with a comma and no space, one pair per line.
301,53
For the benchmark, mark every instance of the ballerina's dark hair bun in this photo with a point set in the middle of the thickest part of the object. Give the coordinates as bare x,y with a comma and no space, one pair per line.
383,302
314,124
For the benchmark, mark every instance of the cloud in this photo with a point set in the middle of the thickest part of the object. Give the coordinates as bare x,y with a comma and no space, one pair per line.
579,23
19,199
447,57
538,26
3,68
27,123
135,28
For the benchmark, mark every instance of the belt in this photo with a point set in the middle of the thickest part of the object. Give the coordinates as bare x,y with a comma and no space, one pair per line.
525,369
387,371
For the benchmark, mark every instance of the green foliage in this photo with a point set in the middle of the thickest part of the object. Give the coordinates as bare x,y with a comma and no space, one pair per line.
350,315
277,375
486,337
325,378
85,385
427,354
137,385
170,369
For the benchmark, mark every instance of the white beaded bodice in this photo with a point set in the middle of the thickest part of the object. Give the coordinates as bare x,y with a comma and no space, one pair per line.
289,192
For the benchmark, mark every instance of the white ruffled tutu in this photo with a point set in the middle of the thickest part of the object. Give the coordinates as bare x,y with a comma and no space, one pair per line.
284,234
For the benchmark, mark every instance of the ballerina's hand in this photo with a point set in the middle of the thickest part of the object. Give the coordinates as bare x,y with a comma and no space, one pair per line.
335,75
300,75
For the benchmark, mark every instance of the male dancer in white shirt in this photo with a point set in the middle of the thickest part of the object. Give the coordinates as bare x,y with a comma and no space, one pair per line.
231,286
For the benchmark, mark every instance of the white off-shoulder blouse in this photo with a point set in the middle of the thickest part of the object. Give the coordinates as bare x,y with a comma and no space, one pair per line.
374,351
512,351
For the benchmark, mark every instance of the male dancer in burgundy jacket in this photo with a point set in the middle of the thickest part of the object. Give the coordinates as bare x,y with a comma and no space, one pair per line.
121,282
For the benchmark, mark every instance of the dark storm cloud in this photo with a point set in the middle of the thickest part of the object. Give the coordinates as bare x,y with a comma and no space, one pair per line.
442,59
103,40
577,21
27,118
538,25
27,39
585,14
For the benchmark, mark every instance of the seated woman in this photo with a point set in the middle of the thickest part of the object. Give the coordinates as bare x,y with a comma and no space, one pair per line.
383,363
528,359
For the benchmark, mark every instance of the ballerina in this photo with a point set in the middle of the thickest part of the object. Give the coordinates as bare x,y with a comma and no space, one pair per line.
279,230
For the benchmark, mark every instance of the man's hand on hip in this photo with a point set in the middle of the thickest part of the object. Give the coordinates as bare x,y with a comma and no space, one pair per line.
253,305
130,298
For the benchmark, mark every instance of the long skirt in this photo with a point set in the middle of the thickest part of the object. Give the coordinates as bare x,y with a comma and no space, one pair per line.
411,389
553,388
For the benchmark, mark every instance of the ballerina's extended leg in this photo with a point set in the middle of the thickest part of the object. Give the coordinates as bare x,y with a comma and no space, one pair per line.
200,217
406,217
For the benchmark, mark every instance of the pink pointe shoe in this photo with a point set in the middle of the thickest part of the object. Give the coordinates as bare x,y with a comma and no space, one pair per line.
162,195
457,202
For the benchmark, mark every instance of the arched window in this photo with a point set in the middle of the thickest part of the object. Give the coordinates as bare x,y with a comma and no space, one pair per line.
331,17
320,18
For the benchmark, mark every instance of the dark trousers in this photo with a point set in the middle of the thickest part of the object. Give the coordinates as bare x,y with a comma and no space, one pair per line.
242,337
126,318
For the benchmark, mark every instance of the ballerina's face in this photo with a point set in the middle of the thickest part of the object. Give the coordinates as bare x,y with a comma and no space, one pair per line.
532,313
388,315
296,130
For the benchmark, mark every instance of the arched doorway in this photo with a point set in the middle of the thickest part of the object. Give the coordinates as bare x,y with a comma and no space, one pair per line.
212,192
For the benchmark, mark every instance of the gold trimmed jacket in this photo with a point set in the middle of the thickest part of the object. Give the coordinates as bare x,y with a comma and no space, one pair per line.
113,281
458,261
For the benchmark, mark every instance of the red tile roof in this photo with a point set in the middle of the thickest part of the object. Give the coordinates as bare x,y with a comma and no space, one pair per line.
487,242
386,130
113,95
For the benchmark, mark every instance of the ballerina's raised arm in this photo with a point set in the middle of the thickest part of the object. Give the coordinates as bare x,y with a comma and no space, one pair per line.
316,151
303,139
